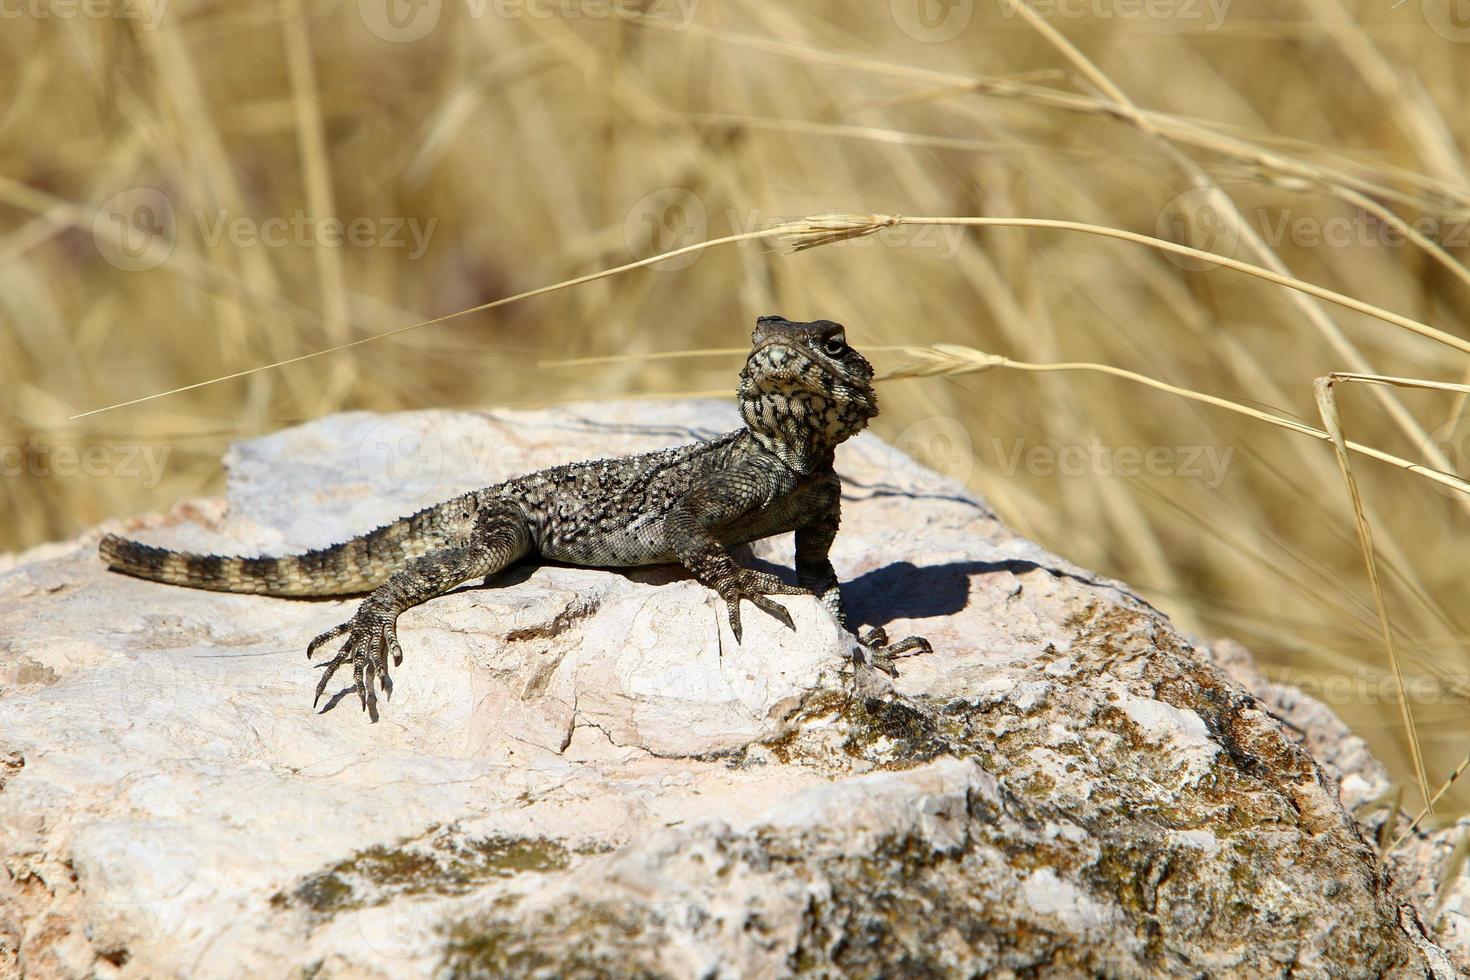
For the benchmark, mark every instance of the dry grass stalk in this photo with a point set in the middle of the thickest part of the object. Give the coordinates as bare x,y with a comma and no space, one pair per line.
1332,419
951,359
1390,820
1429,806
801,234
1454,866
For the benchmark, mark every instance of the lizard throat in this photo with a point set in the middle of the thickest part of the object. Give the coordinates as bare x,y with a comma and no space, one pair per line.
801,427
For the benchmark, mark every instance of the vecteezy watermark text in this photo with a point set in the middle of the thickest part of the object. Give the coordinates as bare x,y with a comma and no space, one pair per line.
1204,218
138,229
1206,463
1374,687
405,21
935,21
1210,13
304,230
148,13
1360,229
129,462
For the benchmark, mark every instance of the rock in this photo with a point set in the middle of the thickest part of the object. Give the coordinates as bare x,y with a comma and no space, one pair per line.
1428,864
580,773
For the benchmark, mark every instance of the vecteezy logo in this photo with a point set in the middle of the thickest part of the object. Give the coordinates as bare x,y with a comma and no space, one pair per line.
932,21
154,905
944,448
1452,440
401,458
398,929
134,230
401,21
668,219
1450,19
1194,218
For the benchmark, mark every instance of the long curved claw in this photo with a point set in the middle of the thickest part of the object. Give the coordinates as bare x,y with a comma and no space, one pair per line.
330,668
330,634
917,644
372,640
380,653
875,651
754,587
779,612
357,669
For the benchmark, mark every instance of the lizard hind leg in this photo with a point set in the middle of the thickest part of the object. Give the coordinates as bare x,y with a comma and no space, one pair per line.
501,536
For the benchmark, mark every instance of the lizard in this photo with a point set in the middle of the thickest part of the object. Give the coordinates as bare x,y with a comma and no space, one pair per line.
802,391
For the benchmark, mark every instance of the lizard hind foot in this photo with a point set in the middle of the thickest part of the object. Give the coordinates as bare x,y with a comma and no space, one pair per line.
372,638
875,651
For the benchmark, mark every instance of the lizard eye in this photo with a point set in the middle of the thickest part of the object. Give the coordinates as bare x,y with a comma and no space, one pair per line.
835,345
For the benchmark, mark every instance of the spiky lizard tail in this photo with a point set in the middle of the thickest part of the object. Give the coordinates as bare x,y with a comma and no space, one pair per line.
353,567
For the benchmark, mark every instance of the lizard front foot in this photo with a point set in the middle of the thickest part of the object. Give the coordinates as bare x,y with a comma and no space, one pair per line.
372,637
754,586
875,651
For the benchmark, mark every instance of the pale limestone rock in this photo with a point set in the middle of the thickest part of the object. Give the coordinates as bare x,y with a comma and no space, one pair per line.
581,773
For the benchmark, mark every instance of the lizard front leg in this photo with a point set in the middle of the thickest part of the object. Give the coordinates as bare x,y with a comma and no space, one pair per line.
501,535
814,571
723,498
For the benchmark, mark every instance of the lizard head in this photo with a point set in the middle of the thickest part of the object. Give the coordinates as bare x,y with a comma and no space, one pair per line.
803,388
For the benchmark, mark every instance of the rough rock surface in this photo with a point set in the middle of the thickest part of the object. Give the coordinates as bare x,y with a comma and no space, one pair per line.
1429,864
581,774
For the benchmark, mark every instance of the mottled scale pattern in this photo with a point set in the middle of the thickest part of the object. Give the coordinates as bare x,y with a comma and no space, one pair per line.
350,568
802,391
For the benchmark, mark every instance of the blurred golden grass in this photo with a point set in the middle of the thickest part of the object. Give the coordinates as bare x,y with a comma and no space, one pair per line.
548,148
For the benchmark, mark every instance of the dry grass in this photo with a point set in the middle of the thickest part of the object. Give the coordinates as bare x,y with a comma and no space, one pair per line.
533,145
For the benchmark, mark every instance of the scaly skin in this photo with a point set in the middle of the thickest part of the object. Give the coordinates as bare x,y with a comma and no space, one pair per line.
802,392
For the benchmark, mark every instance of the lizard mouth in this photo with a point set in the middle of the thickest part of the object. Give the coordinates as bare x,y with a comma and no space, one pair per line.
780,360
776,357
777,365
